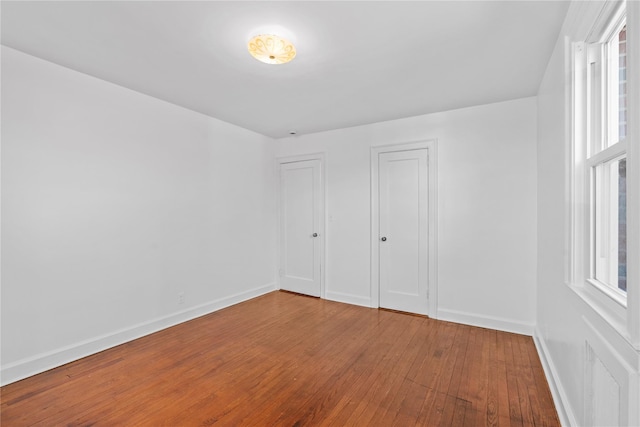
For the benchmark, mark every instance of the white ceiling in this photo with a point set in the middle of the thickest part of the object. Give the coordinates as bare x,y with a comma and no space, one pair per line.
358,62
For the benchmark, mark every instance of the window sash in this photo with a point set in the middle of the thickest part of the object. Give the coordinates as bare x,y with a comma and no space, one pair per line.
605,215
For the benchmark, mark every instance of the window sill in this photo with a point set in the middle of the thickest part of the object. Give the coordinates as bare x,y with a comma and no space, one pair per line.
607,292
611,310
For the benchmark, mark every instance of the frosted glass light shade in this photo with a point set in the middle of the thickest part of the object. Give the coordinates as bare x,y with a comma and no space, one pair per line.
271,49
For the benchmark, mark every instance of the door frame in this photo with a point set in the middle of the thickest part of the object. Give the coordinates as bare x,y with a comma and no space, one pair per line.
284,159
431,146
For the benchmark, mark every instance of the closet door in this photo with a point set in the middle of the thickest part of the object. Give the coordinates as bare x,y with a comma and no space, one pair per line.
300,227
403,231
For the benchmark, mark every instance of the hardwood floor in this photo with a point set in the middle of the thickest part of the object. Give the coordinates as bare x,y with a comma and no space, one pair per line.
289,360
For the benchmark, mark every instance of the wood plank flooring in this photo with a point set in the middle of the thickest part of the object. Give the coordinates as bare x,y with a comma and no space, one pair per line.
289,360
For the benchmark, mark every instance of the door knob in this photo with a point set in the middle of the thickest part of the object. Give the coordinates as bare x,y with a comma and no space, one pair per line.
315,234
384,239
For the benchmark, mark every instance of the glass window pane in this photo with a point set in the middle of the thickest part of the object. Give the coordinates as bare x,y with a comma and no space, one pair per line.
622,225
622,83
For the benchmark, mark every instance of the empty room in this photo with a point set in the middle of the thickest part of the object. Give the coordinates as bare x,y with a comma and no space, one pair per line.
320,213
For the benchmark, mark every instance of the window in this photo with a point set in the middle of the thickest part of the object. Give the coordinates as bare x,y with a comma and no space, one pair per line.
600,104
603,160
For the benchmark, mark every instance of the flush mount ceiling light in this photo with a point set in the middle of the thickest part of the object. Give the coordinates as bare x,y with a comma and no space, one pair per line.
271,49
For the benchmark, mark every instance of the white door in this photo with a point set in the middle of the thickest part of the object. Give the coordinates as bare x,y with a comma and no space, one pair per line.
300,227
403,234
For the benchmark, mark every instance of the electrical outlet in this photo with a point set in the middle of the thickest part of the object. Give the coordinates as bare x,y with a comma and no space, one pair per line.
181,298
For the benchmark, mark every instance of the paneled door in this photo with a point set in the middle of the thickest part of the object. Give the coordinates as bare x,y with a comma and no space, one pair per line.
300,226
403,230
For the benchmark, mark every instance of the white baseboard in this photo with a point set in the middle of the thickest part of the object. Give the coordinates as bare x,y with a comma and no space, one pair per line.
489,322
348,298
560,399
42,362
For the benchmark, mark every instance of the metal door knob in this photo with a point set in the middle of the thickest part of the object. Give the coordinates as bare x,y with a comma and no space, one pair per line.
315,234
384,239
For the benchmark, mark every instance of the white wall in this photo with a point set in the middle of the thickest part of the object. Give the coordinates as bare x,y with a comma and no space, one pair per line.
487,209
566,323
115,202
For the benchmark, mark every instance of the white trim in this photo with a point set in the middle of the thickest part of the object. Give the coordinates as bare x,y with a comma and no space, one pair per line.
300,157
42,362
280,160
488,322
560,398
573,114
431,146
348,298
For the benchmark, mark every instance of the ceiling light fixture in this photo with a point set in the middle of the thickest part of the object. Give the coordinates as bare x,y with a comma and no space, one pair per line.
271,49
